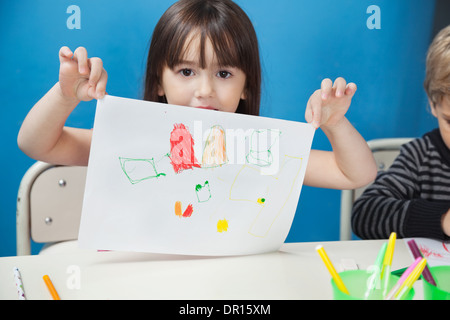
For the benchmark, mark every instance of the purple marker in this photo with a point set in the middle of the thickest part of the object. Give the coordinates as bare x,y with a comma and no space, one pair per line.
418,254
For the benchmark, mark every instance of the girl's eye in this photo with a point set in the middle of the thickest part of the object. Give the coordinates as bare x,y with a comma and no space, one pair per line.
186,72
223,74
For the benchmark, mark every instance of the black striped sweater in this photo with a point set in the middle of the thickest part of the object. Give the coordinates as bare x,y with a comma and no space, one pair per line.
411,196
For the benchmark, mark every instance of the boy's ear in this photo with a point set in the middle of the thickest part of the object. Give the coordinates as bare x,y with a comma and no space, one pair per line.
433,108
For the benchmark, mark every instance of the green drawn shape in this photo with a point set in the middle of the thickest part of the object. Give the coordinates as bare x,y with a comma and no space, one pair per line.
261,158
138,170
203,192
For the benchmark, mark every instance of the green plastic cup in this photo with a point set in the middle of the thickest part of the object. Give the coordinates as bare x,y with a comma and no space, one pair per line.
441,275
356,282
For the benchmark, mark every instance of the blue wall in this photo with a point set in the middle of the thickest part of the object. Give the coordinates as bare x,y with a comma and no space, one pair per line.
301,43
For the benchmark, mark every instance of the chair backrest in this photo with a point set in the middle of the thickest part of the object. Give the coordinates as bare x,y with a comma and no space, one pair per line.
384,151
49,204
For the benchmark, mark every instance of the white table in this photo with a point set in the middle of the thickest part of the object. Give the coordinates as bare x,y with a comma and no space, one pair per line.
294,272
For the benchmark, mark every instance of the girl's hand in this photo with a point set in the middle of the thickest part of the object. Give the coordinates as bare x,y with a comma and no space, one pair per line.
327,106
81,78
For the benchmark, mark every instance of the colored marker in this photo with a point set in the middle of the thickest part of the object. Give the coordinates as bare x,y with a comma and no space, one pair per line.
387,262
417,253
51,288
401,281
377,271
409,282
19,284
337,279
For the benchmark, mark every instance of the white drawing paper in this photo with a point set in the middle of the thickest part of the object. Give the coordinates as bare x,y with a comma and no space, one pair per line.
436,252
179,180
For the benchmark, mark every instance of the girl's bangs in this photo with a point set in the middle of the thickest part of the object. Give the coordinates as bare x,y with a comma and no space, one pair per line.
225,49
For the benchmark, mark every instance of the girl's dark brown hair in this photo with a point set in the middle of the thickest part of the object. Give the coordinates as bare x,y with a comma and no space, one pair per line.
232,36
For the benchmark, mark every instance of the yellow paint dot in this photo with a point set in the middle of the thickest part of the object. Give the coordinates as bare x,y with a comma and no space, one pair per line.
222,226
261,200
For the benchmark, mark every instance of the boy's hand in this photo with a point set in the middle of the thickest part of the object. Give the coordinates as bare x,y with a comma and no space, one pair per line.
328,105
80,77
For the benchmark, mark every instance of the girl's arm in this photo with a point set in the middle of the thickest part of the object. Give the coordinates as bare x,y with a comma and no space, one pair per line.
351,164
43,135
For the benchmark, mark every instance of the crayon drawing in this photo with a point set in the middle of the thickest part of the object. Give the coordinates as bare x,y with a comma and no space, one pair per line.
435,251
158,183
222,226
203,192
179,211
138,170
215,151
260,153
182,149
276,191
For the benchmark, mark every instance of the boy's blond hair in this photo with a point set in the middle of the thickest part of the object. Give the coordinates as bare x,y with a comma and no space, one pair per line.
437,78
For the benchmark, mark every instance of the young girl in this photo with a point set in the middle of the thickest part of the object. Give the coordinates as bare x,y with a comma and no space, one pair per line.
203,54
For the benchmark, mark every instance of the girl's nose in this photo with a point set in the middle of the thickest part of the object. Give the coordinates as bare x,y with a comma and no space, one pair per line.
205,87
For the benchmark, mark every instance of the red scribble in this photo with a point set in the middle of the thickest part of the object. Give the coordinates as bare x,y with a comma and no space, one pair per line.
182,149
188,212
445,247
427,252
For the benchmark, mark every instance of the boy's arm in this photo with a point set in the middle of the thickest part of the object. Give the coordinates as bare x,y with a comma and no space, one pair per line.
351,164
394,202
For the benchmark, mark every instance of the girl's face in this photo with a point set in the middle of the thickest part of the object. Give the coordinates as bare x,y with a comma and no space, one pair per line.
442,112
215,87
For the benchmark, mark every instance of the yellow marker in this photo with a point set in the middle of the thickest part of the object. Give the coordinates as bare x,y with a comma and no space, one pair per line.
409,282
337,279
51,288
389,254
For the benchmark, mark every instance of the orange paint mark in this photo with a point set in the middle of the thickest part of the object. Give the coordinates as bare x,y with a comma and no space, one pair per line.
187,213
215,152
178,211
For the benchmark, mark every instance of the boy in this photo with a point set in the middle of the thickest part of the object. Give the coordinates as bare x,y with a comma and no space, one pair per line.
412,198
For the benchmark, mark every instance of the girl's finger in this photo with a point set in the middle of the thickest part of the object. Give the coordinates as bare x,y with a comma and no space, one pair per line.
96,66
351,89
100,90
65,54
80,55
91,92
326,87
315,108
340,86
308,112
